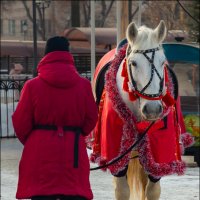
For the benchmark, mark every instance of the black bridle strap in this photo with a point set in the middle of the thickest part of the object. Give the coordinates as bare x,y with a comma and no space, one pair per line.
126,152
152,64
148,50
153,69
132,79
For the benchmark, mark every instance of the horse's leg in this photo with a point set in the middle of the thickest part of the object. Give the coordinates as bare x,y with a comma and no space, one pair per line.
122,191
153,189
137,179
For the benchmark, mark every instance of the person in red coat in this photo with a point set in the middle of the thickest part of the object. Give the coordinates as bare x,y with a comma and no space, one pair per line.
55,112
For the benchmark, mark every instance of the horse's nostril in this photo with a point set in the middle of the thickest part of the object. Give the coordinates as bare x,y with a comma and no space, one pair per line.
144,109
160,109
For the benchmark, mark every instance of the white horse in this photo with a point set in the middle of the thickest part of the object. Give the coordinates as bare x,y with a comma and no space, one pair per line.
146,83
138,89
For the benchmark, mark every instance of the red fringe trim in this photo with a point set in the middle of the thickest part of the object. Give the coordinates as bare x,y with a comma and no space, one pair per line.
93,157
187,139
129,130
157,169
168,99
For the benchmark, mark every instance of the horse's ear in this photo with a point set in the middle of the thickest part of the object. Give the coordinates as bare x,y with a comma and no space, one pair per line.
131,32
160,31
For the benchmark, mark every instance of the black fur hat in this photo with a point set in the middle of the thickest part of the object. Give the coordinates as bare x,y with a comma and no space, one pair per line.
57,43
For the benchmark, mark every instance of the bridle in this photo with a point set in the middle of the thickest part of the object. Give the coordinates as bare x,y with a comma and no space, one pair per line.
130,84
133,84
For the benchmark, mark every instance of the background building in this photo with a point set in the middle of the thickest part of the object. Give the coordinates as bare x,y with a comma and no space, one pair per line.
54,16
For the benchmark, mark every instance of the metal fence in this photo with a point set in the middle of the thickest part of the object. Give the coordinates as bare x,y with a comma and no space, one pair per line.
10,88
82,62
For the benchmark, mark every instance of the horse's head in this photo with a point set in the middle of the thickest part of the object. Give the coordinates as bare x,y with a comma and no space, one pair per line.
145,66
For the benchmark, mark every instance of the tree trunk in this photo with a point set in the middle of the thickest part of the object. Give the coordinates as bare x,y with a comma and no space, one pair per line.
125,18
75,13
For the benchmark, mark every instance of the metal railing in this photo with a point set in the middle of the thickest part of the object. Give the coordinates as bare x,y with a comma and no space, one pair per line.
82,61
10,88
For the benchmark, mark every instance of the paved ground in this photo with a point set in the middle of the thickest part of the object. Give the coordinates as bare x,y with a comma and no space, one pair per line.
173,187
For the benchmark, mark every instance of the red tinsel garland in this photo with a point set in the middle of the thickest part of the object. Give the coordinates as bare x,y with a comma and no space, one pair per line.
131,126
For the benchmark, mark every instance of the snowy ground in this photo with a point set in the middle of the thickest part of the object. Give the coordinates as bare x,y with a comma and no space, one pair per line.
173,187
6,120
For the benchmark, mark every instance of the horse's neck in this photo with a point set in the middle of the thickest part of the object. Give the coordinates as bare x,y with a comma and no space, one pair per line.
133,106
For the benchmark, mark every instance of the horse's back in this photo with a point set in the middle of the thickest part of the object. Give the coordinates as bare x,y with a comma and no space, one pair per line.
99,75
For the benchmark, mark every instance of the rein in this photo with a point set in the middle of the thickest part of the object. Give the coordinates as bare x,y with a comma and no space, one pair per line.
126,152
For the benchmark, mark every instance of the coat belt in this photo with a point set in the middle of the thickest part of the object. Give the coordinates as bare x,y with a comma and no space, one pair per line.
75,129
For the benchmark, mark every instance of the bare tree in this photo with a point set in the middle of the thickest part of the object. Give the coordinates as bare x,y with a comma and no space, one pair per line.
105,10
132,14
86,12
5,4
191,10
41,24
157,10
75,13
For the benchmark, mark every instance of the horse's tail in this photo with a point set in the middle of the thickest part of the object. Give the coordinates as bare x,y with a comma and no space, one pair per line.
137,179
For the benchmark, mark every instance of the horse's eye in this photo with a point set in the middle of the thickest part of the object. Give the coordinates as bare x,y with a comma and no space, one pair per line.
133,63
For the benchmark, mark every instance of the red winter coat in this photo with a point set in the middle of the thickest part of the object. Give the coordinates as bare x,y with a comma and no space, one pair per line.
58,96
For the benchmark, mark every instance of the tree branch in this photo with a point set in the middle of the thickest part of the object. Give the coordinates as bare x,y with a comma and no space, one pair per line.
86,8
106,13
136,10
24,2
27,10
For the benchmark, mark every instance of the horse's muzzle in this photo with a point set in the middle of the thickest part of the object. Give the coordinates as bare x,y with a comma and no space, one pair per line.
152,110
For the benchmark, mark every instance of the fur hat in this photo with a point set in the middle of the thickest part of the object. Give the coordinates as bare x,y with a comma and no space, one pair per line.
57,43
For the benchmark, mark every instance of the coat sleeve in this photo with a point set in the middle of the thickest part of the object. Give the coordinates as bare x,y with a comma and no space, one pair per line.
22,118
91,111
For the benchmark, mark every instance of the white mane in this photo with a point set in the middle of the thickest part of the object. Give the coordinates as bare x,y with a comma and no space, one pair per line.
147,35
